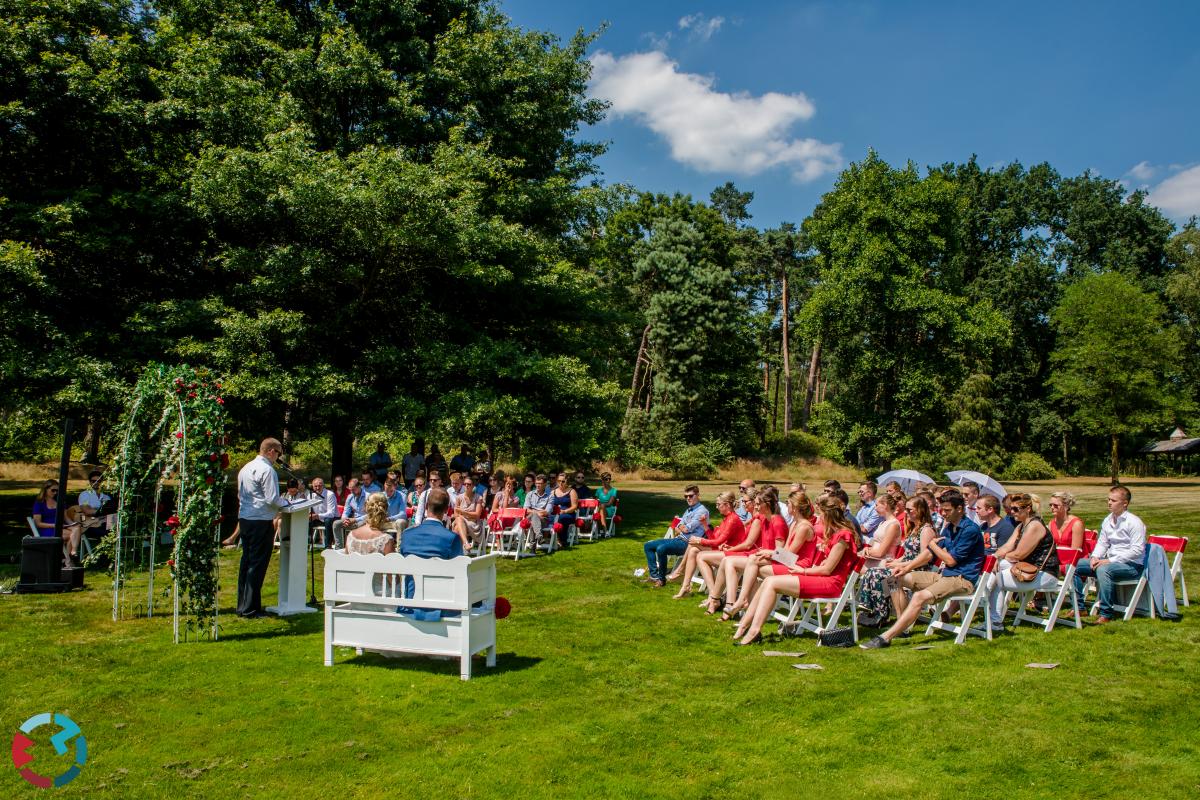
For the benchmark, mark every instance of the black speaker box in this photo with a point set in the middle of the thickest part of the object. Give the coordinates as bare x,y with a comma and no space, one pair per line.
41,565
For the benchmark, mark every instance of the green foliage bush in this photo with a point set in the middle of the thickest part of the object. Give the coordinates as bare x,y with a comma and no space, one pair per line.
1027,466
795,445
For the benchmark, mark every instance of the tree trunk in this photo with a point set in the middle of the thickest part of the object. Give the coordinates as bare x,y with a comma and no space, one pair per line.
92,443
637,365
286,437
787,360
342,450
516,448
775,408
814,366
1065,457
1116,461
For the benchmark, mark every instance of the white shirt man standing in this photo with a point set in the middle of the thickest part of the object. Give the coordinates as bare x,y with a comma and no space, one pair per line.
258,503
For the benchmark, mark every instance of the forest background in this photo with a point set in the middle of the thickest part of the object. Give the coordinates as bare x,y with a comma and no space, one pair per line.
379,220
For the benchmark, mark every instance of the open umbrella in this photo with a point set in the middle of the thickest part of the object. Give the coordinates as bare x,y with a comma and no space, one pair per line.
987,484
907,478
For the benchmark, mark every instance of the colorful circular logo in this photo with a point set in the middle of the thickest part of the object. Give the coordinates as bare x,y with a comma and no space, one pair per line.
22,746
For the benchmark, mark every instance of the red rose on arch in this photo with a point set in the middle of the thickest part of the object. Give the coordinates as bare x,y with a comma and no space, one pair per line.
172,521
224,460
178,434
171,563
221,400
213,456
191,395
208,479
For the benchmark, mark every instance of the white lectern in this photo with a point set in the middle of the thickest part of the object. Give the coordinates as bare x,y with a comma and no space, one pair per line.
293,550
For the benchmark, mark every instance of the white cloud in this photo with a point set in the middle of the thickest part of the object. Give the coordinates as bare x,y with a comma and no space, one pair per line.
1142,171
710,130
1179,195
700,26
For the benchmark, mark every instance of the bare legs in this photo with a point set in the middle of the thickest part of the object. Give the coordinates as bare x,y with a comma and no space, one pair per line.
689,569
764,604
714,579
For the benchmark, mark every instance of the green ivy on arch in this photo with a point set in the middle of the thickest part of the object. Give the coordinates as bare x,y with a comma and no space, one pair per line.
173,429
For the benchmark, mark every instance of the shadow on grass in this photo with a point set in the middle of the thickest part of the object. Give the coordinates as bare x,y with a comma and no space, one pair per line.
296,625
442,665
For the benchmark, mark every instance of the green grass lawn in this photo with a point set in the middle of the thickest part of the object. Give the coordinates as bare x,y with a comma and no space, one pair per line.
607,688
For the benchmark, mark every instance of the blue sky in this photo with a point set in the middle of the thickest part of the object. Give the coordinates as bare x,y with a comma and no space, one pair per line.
777,96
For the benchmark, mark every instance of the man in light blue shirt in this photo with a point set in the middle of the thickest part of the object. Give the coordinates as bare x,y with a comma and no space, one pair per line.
693,522
397,503
258,503
868,518
353,512
742,508
369,484
537,503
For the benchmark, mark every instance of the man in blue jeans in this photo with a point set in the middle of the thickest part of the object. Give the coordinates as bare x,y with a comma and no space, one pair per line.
693,522
1119,553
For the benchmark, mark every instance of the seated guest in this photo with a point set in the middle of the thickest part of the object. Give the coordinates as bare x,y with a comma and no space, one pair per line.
369,484
711,562
537,503
834,558
455,488
564,504
744,512
322,517
340,489
843,498
506,497
292,495
430,539
960,549
774,531
1065,527
372,536
970,493
525,488
1030,543
832,485
353,512
434,482
1119,553
996,529
934,508
45,508
582,490
801,542
606,495
488,486
731,528
873,596
468,515
918,533
397,503
867,517
693,522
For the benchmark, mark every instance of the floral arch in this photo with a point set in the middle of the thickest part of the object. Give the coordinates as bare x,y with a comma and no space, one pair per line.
173,430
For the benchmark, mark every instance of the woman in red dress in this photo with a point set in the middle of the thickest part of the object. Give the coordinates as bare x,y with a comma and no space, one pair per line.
800,540
730,529
711,561
826,578
774,529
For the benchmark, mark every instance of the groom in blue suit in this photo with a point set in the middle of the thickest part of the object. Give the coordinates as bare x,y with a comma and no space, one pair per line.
430,539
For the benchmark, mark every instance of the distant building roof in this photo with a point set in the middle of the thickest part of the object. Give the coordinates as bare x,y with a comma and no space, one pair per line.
1178,443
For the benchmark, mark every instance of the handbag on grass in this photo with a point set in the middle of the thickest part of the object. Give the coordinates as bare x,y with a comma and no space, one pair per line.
836,637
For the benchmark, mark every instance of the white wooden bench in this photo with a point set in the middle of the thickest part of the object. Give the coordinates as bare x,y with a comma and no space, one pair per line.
362,594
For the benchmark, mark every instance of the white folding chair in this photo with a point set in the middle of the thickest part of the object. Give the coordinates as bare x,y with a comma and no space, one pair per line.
976,600
1068,557
587,522
814,619
510,539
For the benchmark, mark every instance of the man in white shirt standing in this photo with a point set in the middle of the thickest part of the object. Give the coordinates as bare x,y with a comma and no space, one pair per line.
258,503
324,514
1118,555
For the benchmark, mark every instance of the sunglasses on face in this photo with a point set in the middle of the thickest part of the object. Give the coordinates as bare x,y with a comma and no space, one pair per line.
1015,510
688,496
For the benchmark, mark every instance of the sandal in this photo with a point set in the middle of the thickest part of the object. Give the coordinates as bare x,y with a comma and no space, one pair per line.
730,612
682,593
715,604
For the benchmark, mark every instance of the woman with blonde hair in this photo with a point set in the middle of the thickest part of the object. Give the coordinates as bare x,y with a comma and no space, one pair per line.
731,529
733,547
774,530
801,542
371,537
826,577
1065,527
1032,544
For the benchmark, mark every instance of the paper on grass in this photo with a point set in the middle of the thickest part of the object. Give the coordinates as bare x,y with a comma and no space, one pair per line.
1041,666
781,653
808,666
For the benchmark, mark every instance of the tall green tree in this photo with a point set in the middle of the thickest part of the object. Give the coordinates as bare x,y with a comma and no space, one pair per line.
1117,362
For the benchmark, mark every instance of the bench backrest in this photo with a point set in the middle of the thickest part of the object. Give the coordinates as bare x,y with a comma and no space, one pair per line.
447,584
